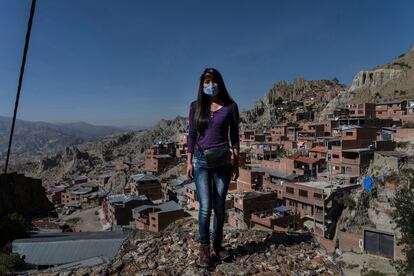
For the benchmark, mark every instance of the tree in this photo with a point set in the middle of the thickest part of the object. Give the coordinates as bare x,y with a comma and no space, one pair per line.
403,216
13,226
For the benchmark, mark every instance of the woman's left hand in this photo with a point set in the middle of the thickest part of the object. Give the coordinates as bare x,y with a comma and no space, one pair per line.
235,172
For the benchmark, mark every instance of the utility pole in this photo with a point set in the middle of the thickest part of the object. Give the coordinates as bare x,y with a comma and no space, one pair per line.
19,87
323,217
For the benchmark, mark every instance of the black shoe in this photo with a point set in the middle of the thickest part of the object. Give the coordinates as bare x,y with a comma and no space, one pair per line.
221,253
205,258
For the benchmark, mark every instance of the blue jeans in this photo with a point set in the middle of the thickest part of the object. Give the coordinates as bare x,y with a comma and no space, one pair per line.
211,188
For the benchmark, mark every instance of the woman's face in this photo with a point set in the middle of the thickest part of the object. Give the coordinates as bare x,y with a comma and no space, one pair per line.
208,79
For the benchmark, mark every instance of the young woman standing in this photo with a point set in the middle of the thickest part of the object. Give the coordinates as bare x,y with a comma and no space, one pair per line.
212,116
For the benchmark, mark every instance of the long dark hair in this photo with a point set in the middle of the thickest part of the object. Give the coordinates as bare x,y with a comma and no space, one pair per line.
202,111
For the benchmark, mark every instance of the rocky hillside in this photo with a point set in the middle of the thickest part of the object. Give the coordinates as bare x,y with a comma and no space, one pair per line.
175,252
90,157
284,98
392,81
32,139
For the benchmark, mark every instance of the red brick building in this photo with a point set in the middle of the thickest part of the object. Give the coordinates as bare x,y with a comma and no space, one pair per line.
391,109
278,219
192,198
155,218
145,184
362,110
118,207
246,203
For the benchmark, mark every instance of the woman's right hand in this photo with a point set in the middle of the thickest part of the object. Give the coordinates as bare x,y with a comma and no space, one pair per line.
190,171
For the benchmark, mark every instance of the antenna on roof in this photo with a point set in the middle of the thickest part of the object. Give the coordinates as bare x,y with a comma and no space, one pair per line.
19,87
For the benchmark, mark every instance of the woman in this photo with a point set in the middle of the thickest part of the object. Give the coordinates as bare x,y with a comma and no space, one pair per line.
211,117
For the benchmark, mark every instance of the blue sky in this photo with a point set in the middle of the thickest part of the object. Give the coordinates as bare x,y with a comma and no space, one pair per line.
135,62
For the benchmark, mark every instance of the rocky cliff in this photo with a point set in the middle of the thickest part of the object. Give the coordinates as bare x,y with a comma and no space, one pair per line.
175,252
392,81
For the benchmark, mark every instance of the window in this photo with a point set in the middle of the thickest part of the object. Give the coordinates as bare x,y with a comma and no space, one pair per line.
303,193
349,133
317,195
290,190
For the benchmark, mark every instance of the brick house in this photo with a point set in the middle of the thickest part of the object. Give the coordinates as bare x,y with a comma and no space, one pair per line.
159,156
77,179
249,136
118,207
192,198
364,110
246,203
391,109
310,132
79,193
156,218
54,194
404,134
145,184
371,241
278,219
249,179
314,201
264,150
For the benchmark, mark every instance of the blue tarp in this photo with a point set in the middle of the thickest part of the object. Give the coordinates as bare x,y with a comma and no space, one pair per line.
281,209
368,183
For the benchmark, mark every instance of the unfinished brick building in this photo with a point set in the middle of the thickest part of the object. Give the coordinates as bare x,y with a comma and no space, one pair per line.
145,184
246,203
155,218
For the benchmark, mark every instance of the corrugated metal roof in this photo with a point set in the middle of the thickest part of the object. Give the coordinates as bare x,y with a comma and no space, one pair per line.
170,206
164,207
191,186
63,248
124,198
143,207
143,177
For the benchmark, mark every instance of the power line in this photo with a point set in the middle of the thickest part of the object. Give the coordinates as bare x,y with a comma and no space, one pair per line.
19,87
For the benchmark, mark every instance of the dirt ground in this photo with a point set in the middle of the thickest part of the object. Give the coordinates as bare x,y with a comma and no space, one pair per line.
89,220
353,263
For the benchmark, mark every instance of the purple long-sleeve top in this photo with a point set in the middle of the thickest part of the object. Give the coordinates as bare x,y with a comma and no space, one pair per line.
216,134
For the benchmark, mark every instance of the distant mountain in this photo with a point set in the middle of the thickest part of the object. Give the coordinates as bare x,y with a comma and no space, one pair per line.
39,138
91,157
134,127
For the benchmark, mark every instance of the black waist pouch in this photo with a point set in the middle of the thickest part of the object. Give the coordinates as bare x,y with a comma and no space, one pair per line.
218,157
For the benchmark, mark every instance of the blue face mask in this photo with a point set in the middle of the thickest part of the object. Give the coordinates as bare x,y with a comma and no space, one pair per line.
210,89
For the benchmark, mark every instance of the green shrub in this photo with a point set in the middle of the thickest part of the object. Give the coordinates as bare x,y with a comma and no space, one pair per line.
403,216
9,262
13,226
